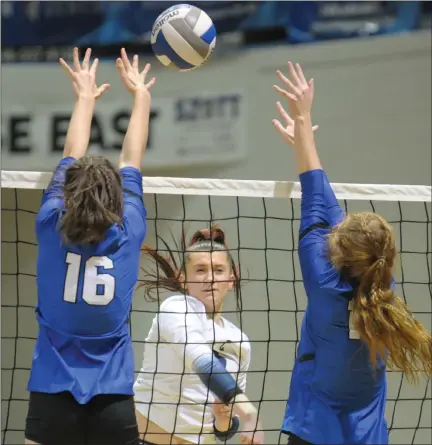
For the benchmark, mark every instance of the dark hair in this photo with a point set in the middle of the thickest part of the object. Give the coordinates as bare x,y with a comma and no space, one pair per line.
93,200
364,248
204,240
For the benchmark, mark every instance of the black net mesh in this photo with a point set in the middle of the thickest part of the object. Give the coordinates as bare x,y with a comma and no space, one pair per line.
262,234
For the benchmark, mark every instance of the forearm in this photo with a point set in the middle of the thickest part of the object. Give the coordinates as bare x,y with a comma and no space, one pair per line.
306,154
213,374
215,377
78,134
243,407
135,140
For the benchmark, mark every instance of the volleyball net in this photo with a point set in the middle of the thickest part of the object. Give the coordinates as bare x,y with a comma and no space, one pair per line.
261,221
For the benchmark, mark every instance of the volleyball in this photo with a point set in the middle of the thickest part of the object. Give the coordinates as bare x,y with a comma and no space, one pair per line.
183,37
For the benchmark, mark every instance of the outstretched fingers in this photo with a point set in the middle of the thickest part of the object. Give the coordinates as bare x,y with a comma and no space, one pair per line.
76,62
311,84
146,70
151,83
94,66
101,90
294,76
120,66
135,62
280,128
144,73
293,86
300,74
285,116
67,68
77,66
285,93
125,60
86,62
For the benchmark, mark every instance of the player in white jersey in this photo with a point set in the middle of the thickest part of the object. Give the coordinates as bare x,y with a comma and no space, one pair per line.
191,385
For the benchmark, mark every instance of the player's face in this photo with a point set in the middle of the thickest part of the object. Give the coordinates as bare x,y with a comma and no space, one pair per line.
209,278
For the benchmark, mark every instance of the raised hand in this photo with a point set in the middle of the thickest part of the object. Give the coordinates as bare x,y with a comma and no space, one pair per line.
84,76
299,92
133,79
286,130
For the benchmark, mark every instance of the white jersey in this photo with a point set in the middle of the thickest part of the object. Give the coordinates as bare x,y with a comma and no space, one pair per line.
167,391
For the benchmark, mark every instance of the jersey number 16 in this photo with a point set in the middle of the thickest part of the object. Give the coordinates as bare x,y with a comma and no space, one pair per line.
98,288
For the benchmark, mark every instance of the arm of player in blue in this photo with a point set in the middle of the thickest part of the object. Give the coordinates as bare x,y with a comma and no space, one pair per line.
319,204
335,212
52,199
55,187
133,197
320,211
215,377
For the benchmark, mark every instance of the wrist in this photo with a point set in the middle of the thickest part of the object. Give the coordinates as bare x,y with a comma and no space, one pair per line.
227,433
303,117
86,97
243,407
223,424
140,92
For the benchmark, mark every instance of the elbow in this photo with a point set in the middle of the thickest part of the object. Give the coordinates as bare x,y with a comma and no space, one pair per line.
215,377
76,151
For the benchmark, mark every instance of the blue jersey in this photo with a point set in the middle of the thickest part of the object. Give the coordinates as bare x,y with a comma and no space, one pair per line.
85,298
336,397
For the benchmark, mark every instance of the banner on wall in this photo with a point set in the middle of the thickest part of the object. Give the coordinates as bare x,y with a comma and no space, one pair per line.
184,131
44,31
35,31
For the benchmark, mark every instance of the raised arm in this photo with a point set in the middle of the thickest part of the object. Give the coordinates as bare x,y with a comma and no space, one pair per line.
180,324
134,144
135,141
86,93
300,97
319,203
320,209
78,135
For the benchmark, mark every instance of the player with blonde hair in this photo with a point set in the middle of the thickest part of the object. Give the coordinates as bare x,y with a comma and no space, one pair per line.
355,325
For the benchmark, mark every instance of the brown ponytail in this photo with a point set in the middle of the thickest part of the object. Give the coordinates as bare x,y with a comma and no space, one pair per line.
93,200
386,325
363,247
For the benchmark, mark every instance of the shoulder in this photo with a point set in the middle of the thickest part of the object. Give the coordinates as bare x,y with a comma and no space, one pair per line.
229,325
180,313
317,268
182,304
238,336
